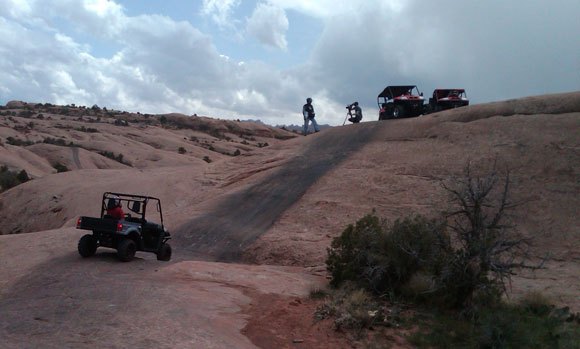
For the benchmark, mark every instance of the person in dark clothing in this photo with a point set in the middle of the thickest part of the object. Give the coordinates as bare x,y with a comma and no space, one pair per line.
114,209
308,113
357,113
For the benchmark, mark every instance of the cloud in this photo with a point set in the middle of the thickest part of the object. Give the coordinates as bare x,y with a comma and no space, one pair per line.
269,24
221,11
155,64
496,50
161,66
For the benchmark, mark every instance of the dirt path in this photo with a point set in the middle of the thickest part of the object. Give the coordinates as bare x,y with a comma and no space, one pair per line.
241,217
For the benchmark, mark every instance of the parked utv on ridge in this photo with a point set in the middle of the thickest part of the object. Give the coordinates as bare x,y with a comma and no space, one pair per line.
129,233
446,98
399,102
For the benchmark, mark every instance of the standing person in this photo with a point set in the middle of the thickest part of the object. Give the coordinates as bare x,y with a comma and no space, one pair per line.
357,113
308,113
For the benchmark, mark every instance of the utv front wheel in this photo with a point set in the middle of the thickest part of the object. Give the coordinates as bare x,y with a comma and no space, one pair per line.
126,250
87,245
164,253
398,111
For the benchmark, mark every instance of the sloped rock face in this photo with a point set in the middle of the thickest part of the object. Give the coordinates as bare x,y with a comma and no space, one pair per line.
279,205
16,104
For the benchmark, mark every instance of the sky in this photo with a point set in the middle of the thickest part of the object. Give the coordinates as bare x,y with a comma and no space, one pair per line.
260,59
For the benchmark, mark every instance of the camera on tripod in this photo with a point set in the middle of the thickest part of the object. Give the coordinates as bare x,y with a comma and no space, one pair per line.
352,105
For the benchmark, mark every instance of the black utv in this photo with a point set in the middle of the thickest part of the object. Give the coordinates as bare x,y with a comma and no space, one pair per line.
129,232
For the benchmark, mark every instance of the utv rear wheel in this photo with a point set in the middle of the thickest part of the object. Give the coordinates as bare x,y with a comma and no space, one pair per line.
87,245
126,250
164,253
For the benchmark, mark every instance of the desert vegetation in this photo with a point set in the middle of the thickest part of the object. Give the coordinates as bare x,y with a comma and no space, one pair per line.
117,157
452,271
9,179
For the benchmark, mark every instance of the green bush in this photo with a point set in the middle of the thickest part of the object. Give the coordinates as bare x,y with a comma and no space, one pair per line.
60,167
87,129
9,179
56,141
503,326
383,258
349,254
18,142
112,156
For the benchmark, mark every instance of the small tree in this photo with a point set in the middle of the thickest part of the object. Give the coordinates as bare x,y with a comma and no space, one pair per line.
487,247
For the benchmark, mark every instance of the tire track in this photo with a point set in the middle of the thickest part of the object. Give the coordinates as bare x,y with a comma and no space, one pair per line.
75,156
241,217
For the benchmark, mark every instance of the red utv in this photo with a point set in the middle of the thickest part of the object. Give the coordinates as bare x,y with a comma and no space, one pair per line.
447,98
399,102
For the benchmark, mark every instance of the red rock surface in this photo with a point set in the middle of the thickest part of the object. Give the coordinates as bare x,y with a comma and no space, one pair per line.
275,208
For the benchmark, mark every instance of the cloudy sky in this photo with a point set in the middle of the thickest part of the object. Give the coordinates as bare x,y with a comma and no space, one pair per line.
260,59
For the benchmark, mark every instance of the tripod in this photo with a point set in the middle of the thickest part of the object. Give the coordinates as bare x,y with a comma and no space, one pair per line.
346,117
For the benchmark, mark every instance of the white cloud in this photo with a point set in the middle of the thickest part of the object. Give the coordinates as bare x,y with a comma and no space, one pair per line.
269,25
496,50
220,11
347,9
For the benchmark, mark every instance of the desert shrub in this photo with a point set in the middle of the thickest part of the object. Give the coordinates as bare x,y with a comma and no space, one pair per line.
112,156
87,129
56,141
9,179
119,122
380,257
25,114
206,159
318,293
349,253
462,260
503,326
237,152
181,150
60,167
352,308
22,176
18,142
